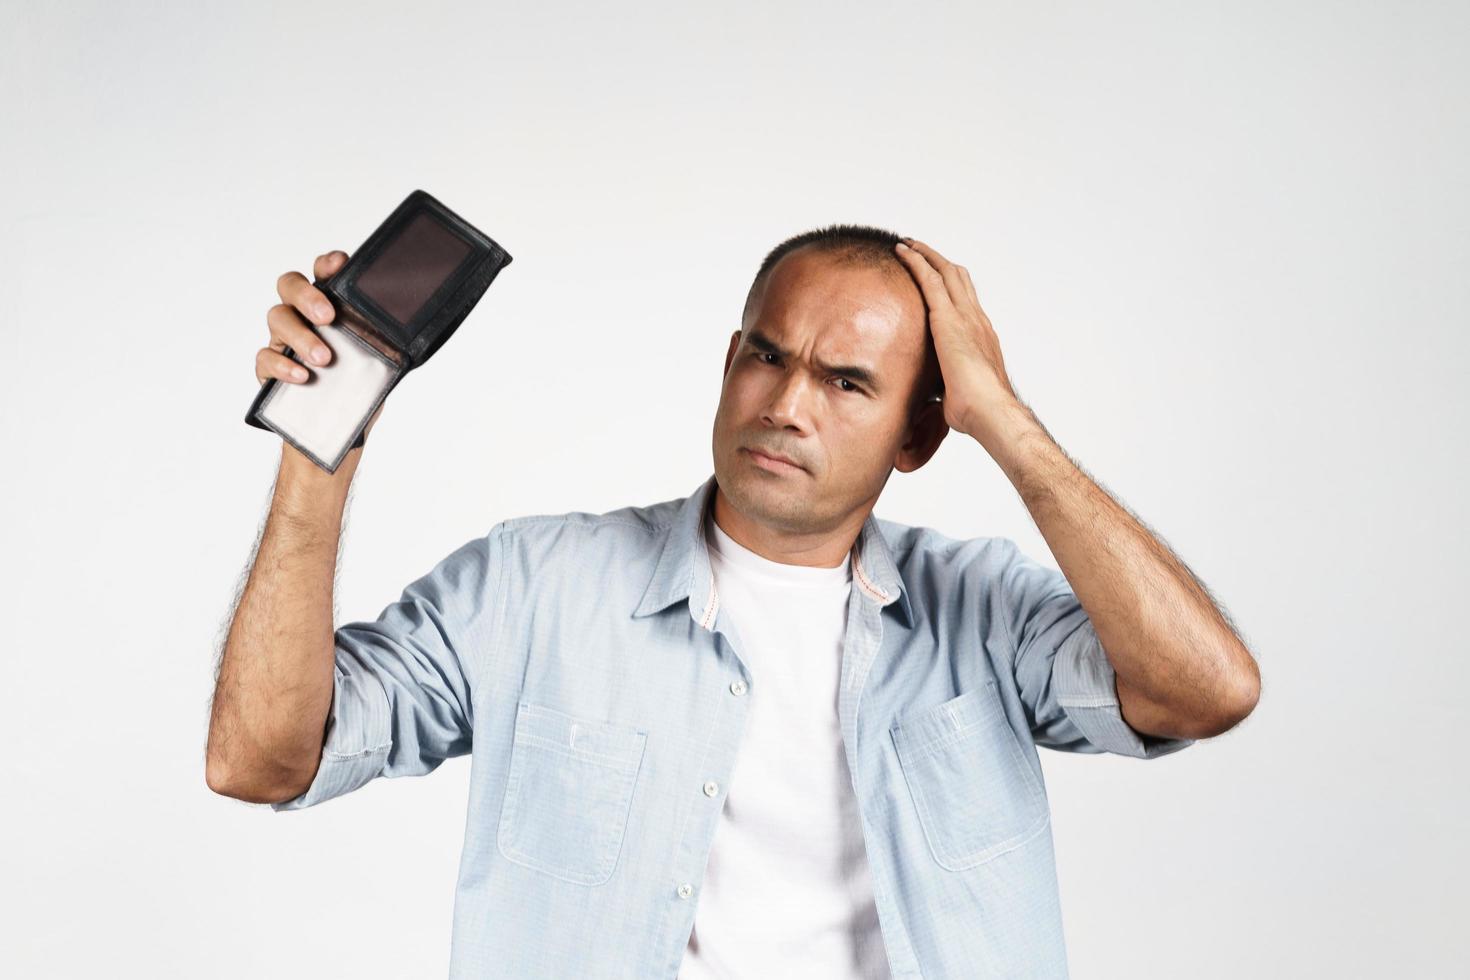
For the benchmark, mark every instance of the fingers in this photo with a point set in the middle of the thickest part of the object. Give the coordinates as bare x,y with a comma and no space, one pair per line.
956,278
969,284
931,283
273,364
296,290
327,265
288,329
289,321
953,277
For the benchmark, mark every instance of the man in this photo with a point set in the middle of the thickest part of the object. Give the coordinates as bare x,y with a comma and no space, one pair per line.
755,731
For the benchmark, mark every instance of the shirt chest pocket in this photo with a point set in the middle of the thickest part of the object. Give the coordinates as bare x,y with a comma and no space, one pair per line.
975,793
569,793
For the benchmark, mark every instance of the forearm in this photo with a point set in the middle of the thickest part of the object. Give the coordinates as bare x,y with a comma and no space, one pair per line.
274,687
1180,667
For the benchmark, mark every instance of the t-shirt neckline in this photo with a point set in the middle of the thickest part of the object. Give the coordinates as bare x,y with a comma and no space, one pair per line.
734,553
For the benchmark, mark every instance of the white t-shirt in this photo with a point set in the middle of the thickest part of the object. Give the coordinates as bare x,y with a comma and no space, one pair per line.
787,891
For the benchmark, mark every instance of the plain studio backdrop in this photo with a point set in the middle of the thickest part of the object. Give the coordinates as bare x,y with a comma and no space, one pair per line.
1224,247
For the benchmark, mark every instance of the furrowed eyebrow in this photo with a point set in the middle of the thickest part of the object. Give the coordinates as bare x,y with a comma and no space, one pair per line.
855,372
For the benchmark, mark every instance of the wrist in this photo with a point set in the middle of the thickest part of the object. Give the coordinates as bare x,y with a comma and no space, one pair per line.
1011,434
1000,422
305,490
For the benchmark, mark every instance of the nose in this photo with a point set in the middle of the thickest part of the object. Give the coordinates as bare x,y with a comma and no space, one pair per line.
787,404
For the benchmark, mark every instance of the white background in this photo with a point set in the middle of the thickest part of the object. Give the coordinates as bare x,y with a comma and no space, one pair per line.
1224,247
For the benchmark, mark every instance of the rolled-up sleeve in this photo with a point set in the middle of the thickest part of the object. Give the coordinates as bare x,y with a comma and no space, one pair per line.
1062,674
402,685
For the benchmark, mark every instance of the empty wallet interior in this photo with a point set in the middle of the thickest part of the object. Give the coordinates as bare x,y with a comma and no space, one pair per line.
324,414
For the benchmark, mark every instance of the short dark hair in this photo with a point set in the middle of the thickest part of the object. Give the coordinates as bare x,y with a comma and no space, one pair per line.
859,244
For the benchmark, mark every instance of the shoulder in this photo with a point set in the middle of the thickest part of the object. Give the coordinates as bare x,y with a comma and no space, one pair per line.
925,549
623,532
941,570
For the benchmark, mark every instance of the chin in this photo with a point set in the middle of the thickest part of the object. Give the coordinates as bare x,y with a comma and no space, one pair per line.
775,503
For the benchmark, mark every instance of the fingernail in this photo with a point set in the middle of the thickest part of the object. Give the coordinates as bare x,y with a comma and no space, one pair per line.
320,355
323,311
299,373
903,246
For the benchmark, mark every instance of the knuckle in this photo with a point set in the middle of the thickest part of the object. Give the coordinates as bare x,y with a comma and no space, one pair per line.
328,262
278,319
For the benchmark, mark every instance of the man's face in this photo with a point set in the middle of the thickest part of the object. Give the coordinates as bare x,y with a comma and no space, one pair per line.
787,391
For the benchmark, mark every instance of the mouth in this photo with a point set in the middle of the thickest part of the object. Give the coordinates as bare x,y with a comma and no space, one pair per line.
771,461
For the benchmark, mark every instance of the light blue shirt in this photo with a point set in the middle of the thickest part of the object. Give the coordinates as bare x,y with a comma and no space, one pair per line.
585,660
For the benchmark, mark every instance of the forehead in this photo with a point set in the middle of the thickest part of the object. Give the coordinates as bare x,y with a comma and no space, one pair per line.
841,306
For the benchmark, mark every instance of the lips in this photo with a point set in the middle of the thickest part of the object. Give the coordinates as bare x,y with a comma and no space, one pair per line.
773,455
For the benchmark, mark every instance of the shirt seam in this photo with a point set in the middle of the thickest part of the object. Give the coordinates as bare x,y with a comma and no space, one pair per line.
589,521
485,668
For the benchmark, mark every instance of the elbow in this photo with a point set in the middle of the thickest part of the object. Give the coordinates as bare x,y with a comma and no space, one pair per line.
223,781
216,778
1246,693
1219,715
1236,704
247,789
219,774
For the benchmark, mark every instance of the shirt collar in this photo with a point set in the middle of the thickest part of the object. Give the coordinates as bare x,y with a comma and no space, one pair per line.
683,567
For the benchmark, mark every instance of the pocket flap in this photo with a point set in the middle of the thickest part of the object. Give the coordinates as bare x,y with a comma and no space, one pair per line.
595,740
937,725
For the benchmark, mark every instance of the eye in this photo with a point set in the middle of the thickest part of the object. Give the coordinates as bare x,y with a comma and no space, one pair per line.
851,387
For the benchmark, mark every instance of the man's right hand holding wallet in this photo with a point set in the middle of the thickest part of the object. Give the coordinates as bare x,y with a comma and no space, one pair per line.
402,294
274,689
382,312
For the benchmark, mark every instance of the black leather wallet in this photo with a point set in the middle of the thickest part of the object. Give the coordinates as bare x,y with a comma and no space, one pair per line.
398,298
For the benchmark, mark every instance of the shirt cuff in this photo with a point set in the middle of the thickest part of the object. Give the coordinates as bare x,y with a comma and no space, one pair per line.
1086,689
357,740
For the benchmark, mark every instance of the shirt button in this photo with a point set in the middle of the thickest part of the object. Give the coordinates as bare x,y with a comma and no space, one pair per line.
738,688
685,890
711,788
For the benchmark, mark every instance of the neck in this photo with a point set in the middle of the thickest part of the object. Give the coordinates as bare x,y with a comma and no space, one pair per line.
825,548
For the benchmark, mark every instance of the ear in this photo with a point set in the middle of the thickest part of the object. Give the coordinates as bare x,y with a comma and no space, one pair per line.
730,353
927,430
